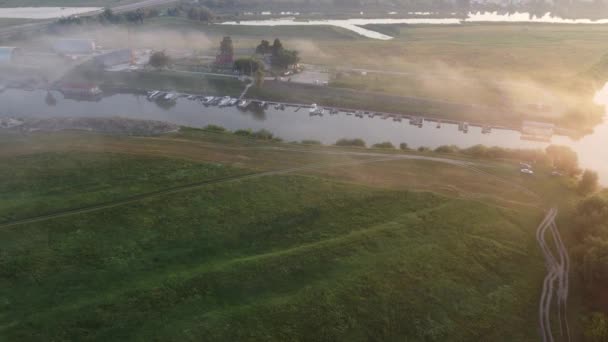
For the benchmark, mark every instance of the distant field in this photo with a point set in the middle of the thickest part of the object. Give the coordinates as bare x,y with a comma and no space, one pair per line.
330,254
5,22
52,3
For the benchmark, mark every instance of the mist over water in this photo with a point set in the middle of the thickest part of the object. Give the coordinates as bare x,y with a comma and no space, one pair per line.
354,25
295,126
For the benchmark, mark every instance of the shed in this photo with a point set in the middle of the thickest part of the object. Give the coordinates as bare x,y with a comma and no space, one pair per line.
74,46
9,54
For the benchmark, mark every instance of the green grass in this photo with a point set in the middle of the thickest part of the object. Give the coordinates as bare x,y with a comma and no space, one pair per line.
347,253
269,259
45,183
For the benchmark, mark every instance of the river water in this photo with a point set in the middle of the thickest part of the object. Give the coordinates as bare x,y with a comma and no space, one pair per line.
294,126
357,25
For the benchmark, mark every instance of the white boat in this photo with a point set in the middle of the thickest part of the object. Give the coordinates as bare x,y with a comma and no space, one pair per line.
243,104
233,101
152,94
224,101
313,108
170,96
208,99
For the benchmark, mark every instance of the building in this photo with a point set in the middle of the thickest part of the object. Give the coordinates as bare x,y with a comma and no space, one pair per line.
116,57
74,46
9,54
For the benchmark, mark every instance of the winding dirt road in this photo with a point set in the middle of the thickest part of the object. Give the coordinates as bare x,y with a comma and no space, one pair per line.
558,268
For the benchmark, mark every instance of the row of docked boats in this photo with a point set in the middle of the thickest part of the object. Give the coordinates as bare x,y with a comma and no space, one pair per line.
221,101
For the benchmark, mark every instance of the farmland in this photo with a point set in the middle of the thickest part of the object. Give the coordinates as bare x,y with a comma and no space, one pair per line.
335,248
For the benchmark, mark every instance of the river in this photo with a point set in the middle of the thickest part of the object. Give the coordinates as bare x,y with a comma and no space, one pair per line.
357,25
295,126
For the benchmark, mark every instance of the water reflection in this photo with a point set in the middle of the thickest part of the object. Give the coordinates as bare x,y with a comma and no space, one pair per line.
355,25
293,125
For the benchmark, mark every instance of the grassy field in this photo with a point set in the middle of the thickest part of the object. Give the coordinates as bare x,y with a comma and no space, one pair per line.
351,250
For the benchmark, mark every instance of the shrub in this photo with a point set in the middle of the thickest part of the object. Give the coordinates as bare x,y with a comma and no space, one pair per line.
447,149
351,142
404,146
243,132
214,128
588,183
386,144
311,142
262,134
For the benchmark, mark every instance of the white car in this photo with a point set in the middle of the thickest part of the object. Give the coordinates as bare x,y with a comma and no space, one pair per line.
527,171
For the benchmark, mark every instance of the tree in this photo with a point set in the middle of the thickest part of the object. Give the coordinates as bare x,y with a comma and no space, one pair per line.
386,144
588,182
277,47
201,13
263,48
247,66
159,60
226,47
136,17
596,327
259,78
403,146
50,99
285,58
108,16
563,158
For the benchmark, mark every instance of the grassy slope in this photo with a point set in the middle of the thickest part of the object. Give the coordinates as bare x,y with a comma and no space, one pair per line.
275,258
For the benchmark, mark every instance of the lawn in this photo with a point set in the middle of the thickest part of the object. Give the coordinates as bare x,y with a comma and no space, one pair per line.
283,257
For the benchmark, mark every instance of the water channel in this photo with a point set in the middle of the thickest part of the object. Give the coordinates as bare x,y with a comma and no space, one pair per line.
292,125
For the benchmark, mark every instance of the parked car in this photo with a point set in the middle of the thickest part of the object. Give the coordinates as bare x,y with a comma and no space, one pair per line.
527,171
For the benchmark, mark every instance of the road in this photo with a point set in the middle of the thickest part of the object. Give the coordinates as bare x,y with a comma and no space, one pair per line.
7,31
558,268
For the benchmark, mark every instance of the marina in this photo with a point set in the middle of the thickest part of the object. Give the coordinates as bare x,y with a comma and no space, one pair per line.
289,122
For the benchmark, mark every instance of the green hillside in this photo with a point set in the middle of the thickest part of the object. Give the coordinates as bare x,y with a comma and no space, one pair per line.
278,257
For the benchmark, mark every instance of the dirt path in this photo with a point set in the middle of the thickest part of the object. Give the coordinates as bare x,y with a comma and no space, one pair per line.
558,268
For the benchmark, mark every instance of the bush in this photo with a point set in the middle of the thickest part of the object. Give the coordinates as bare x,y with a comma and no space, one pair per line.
588,183
404,147
386,144
447,149
351,142
423,149
310,142
263,134
159,60
596,327
214,128
248,65
243,132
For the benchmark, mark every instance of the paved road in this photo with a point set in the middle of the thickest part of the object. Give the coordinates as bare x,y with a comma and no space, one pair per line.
558,268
